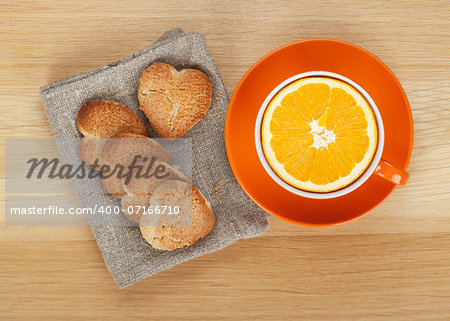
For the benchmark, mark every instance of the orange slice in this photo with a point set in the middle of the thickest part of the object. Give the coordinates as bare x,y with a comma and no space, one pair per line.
319,134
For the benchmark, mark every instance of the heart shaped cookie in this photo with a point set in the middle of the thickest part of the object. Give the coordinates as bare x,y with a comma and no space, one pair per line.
103,118
139,191
163,236
172,100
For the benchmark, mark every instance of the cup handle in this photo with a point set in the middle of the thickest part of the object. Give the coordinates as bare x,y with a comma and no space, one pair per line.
391,173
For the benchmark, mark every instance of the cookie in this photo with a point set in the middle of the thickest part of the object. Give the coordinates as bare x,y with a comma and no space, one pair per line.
90,150
168,237
139,190
114,186
123,148
104,118
172,100
146,186
134,205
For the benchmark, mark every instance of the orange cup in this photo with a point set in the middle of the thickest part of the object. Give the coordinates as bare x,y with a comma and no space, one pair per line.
378,166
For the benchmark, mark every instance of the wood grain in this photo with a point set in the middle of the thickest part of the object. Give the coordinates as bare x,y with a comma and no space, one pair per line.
391,264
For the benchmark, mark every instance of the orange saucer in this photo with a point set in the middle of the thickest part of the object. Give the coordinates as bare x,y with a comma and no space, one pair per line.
335,56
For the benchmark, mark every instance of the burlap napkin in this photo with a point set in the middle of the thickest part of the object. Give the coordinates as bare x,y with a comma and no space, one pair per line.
127,256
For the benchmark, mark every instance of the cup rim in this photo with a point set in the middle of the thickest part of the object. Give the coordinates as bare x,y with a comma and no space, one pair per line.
320,195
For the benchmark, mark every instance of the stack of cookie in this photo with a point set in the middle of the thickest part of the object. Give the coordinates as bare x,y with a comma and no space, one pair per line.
113,134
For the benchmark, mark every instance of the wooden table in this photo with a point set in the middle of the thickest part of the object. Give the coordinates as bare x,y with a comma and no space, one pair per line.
391,264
